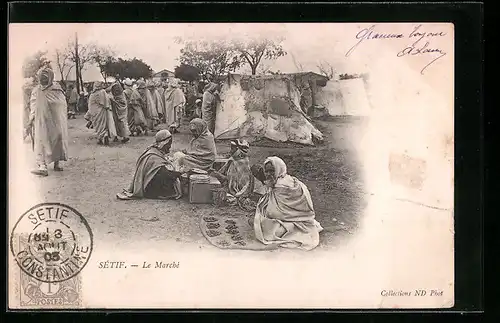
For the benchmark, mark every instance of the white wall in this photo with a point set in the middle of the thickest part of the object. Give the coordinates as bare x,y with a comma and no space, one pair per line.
231,112
330,97
344,97
249,113
354,97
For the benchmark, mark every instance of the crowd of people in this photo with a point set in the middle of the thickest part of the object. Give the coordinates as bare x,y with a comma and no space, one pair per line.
284,212
138,107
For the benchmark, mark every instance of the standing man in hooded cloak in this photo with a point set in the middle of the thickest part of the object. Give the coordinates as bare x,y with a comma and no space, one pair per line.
119,110
174,104
100,115
48,122
136,120
148,104
209,104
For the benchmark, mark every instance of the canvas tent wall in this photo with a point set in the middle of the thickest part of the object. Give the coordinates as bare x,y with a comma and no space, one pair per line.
308,84
263,106
344,98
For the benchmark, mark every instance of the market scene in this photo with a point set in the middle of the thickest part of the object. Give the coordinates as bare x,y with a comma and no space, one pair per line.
247,159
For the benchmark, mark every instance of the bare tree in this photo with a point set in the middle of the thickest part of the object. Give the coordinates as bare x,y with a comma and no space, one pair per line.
264,68
298,64
33,63
64,65
81,56
302,84
327,70
102,57
297,80
213,59
252,51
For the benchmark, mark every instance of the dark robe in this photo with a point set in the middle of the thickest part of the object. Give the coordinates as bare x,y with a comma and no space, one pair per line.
154,176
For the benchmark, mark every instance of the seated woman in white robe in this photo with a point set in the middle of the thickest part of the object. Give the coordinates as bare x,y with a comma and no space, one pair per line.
285,214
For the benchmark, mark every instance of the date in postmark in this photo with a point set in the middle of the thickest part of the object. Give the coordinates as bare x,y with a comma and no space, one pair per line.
51,243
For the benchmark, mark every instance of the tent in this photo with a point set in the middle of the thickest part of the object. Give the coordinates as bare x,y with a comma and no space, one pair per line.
263,106
345,98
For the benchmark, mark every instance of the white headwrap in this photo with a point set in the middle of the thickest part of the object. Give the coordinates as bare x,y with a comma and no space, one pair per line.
279,166
174,82
285,180
162,138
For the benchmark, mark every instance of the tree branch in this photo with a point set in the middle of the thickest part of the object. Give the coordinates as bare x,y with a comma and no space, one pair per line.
69,70
260,57
248,60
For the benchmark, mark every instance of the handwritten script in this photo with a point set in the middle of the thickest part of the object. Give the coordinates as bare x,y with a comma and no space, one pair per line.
421,43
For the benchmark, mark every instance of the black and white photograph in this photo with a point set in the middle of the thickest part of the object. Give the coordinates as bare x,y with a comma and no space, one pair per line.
231,165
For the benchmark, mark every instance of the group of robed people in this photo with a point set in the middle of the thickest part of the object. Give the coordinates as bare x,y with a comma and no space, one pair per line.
134,109
284,213
113,112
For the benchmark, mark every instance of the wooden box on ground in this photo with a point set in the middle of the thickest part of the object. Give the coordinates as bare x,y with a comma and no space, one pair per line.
201,187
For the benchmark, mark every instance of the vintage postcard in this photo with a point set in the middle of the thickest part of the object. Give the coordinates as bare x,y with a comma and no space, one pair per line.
231,165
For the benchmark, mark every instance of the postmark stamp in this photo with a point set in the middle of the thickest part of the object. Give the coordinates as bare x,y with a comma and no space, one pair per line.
51,243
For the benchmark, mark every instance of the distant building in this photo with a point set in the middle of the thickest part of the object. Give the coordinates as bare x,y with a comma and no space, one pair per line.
163,74
86,82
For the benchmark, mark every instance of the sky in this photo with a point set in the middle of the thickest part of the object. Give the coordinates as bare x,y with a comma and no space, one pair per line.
306,44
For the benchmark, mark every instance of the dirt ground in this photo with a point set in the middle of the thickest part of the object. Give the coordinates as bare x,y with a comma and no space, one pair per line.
94,174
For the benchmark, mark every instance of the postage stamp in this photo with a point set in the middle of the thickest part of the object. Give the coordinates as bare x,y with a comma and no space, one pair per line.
51,243
53,294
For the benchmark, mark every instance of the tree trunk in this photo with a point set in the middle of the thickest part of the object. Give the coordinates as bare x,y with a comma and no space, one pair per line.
313,92
63,81
81,78
254,69
313,99
77,62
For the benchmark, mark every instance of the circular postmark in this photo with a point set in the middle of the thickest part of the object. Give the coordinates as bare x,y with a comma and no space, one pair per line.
51,242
